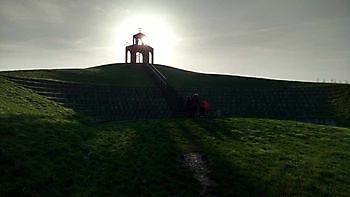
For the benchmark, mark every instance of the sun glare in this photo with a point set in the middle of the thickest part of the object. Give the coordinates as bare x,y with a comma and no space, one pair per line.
159,35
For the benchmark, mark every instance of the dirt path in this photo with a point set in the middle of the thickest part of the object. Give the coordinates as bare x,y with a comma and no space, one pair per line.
197,163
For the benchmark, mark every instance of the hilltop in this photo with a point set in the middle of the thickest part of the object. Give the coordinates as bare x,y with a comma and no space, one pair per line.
133,75
112,74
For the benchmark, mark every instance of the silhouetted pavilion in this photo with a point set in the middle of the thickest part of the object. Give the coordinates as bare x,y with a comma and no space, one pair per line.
139,52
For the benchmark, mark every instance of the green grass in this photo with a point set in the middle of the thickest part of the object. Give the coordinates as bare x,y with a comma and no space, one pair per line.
182,78
340,104
134,75
274,158
113,74
48,150
16,100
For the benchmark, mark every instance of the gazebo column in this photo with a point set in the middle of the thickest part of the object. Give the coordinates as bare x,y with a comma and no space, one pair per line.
133,57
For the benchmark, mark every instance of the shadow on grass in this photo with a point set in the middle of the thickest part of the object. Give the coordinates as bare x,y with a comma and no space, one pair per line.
147,167
253,157
230,179
44,157
40,155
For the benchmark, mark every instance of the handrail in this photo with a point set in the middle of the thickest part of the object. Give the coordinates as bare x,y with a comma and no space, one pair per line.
174,100
158,72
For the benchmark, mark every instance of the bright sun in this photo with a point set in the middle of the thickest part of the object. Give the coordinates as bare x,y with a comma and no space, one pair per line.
159,35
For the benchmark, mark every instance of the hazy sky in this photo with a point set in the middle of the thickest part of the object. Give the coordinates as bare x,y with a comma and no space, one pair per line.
285,39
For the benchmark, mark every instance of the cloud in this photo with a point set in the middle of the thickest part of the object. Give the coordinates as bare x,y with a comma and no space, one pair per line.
265,37
31,11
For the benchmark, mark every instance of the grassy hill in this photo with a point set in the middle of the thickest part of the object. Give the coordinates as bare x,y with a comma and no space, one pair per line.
335,98
113,74
133,75
182,78
263,97
47,149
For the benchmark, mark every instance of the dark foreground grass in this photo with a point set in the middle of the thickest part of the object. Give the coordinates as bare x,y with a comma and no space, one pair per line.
46,150
130,159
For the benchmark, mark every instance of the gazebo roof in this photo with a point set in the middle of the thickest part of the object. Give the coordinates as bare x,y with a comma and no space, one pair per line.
139,35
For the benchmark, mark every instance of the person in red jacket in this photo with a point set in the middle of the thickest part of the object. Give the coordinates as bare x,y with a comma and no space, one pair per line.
205,105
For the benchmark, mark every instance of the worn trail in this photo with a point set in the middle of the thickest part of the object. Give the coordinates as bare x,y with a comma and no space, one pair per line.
197,163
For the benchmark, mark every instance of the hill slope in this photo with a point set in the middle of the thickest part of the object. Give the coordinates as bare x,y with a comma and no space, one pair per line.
255,97
183,78
47,150
112,74
230,95
133,75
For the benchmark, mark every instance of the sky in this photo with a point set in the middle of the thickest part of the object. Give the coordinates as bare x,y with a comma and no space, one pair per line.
307,40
